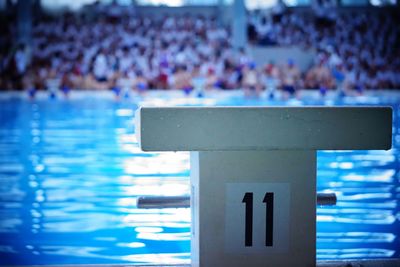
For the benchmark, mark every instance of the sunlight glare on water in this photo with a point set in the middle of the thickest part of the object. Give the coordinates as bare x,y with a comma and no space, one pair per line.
71,172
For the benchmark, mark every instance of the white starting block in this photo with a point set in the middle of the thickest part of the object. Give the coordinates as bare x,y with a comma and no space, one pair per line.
253,174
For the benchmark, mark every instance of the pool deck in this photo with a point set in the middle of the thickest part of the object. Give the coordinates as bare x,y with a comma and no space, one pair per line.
355,263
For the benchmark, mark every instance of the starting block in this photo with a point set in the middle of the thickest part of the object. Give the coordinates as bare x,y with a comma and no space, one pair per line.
253,174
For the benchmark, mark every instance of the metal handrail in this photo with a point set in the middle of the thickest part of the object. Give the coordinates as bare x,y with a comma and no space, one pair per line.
163,202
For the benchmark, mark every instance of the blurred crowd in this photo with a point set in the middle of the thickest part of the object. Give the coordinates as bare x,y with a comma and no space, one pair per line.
142,52
359,50
119,50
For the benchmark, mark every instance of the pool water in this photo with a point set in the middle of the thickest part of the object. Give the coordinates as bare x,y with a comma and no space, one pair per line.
71,170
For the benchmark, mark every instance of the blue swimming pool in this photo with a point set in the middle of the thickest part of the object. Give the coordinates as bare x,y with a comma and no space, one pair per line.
70,172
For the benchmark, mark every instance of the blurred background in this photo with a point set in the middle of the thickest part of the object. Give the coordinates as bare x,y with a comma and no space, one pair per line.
72,74
255,45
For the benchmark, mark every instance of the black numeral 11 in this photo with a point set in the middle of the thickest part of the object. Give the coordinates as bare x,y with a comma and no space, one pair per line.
269,218
248,199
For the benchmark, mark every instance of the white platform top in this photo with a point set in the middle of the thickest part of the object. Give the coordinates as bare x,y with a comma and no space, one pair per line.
263,128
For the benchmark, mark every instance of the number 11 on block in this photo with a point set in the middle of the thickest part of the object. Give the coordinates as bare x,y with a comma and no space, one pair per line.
257,217
269,218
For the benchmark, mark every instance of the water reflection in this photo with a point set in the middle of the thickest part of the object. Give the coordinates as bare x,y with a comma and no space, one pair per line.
356,237
362,253
70,173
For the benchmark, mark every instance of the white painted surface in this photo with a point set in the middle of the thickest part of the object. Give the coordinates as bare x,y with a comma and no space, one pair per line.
270,128
218,178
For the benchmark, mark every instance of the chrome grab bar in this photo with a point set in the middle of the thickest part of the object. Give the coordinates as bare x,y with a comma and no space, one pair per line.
326,199
163,202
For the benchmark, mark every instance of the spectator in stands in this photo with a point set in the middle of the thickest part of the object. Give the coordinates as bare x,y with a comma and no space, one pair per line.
141,83
319,77
251,81
212,81
270,79
290,77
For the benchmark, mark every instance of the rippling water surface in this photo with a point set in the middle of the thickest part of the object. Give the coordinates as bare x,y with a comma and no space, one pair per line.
71,170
